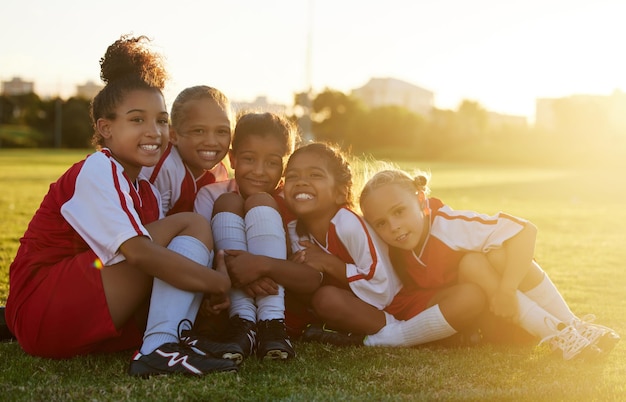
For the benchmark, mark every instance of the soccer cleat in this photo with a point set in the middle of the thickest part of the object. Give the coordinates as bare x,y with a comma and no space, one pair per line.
237,344
242,335
220,350
177,358
603,337
571,343
273,342
5,334
319,333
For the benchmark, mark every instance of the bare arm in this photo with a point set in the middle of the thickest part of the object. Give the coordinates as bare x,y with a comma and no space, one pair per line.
173,268
519,253
319,259
245,268
520,250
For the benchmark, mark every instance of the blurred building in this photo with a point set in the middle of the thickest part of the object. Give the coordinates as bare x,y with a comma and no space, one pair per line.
499,121
17,86
88,90
391,91
259,105
603,111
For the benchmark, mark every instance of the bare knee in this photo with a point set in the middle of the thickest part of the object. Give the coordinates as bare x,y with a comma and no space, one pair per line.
195,225
471,266
461,304
327,303
260,199
229,202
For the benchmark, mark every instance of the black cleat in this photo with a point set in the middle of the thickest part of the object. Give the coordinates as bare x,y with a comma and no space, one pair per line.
319,333
177,358
5,334
274,344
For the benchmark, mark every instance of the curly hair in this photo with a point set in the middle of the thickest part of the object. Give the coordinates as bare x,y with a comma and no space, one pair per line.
127,65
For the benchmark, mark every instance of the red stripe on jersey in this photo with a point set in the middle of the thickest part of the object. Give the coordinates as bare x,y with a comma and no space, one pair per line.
336,247
122,201
468,218
479,219
159,165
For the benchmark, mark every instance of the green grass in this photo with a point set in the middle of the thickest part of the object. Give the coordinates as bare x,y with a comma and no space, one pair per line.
582,221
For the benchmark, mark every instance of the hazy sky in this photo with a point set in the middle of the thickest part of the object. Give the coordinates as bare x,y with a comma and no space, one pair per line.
501,53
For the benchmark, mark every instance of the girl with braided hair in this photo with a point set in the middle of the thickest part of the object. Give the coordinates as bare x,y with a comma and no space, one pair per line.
433,247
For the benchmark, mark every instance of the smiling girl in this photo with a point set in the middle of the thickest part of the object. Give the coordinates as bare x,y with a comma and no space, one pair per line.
434,247
95,250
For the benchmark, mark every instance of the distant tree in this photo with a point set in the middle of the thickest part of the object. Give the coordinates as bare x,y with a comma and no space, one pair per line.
6,110
390,127
335,117
472,119
76,123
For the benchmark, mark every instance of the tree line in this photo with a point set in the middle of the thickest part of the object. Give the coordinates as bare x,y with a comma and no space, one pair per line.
467,132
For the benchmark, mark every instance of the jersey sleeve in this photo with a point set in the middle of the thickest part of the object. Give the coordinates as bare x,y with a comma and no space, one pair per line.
371,276
207,195
169,179
101,209
293,238
473,231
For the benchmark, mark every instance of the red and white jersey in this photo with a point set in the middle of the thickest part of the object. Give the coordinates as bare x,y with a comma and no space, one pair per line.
176,183
207,195
452,234
368,268
93,205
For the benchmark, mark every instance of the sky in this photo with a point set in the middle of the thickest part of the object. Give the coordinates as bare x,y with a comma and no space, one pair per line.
503,54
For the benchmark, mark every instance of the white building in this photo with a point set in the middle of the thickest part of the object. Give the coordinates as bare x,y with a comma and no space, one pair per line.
88,90
390,91
17,86
612,106
259,105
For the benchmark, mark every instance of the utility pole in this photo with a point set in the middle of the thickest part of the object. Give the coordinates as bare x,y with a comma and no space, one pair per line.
58,124
305,119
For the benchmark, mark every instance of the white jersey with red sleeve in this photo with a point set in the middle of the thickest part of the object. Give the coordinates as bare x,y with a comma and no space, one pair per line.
368,268
176,183
207,195
472,231
102,207
93,205
451,235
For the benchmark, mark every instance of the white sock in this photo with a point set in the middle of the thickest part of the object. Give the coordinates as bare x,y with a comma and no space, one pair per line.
265,235
548,296
390,319
534,319
429,325
242,305
170,305
229,233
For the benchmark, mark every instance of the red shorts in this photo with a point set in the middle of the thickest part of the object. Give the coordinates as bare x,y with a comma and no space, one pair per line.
62,312
410,302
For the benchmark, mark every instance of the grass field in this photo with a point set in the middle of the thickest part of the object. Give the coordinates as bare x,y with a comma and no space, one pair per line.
582,226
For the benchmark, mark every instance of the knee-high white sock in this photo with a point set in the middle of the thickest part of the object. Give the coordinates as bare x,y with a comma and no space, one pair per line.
170,305
229,233
429,325
548,296
266,236
534,319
